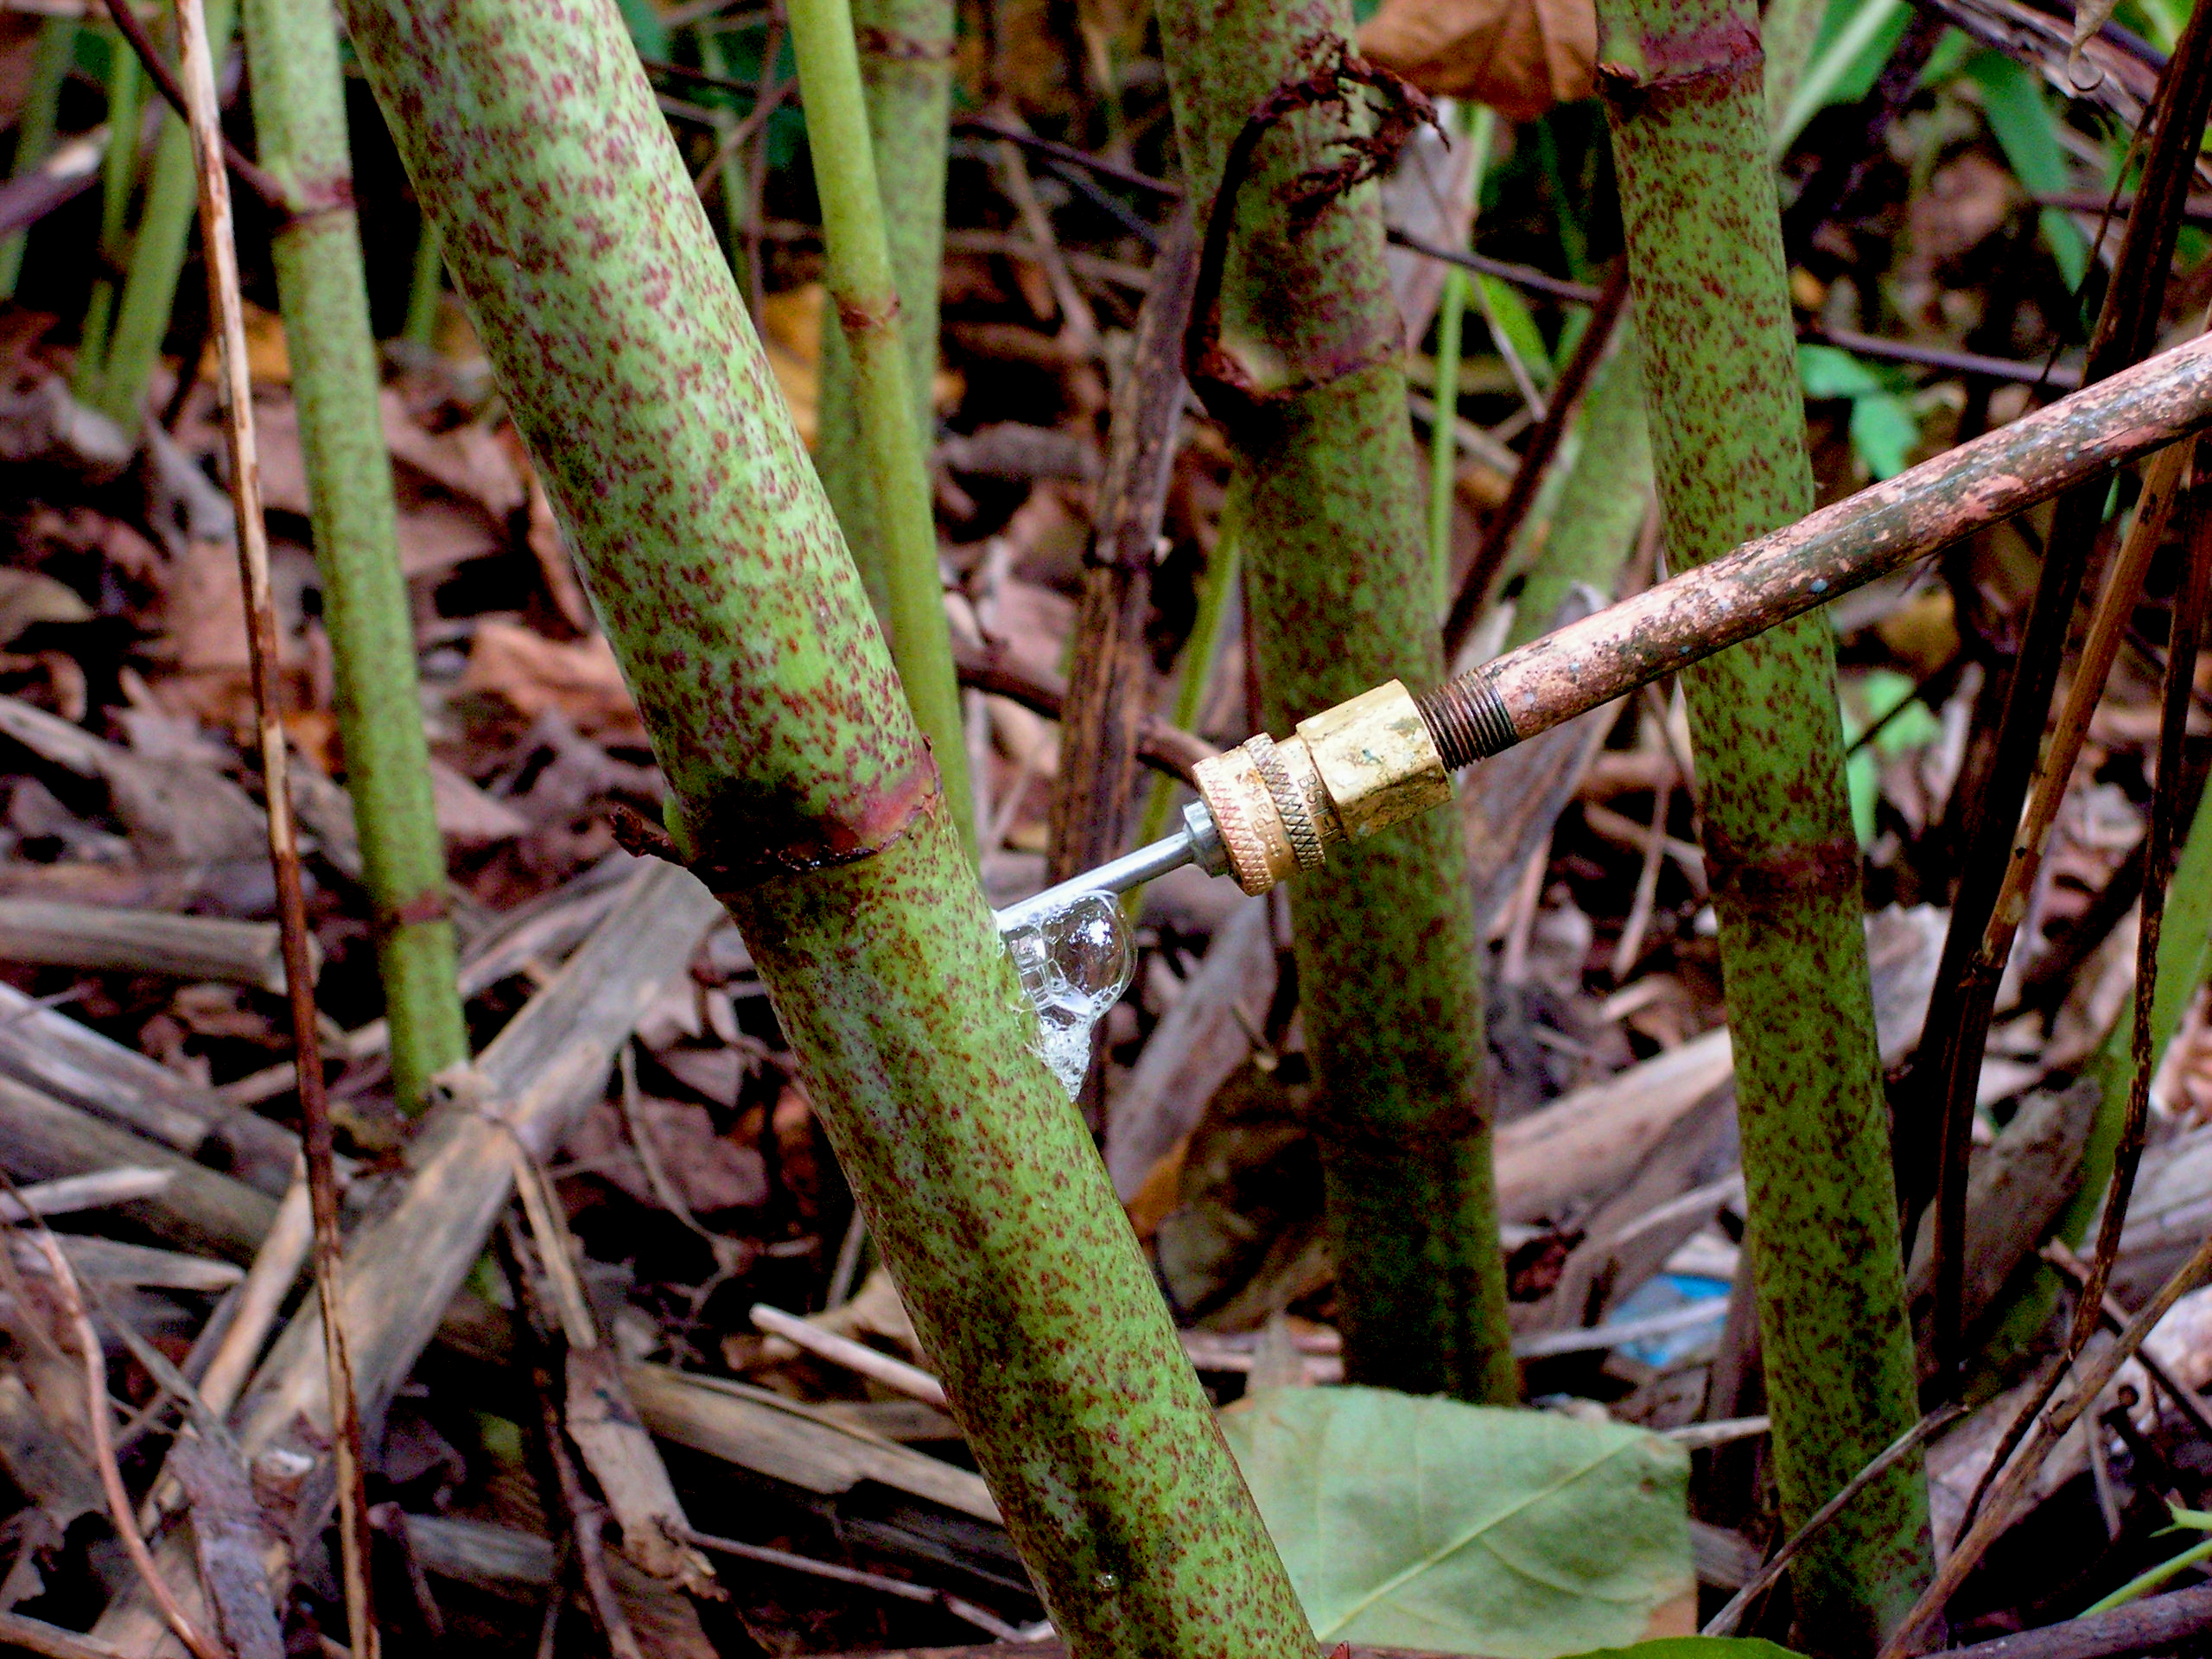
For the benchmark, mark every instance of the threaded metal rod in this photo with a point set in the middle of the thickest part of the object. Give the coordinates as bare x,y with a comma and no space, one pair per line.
1467,720
1804,565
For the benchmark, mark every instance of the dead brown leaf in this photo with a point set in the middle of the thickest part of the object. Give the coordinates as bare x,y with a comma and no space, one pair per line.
791,329
578,680
1518,56
710,1173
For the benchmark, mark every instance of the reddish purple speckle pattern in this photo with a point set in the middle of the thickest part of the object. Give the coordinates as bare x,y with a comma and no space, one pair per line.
573,234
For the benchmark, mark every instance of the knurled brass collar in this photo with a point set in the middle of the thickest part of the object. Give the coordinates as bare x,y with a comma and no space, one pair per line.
1245,814
1291,804
1350,771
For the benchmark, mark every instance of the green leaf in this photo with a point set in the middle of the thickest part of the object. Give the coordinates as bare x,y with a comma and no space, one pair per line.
1884,428
1856,39
1510,320
2026,129
1825,371
1422,1523
644,22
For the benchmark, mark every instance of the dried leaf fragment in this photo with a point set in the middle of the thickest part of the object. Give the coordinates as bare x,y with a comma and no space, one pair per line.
1518,56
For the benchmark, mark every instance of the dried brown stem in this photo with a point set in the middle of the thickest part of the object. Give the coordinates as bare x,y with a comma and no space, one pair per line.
1535,460
249,174
1946,1065
2115,1320
2050,1426
1110,678
226,307
1979,979
2168,802
563,1484
102,1450
2154,1624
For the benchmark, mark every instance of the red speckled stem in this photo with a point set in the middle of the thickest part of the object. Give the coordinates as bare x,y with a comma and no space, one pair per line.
1686,106
807,798
1343,597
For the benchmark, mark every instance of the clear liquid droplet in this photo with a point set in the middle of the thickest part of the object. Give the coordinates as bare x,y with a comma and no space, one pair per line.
1075,962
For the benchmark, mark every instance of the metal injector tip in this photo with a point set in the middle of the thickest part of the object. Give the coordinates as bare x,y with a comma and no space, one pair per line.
1195,842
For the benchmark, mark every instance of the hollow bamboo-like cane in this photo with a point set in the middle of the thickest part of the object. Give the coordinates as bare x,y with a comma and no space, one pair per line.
891,425
803,790
299,112
1341,596
226,307
118,170
35,124
905,57
157,250
1686,104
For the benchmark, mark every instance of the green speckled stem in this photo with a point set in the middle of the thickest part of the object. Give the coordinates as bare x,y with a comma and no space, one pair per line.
578,245
1727,434
119,167
156,254
905,53
1343,597
900,526
1607,493
426,286
299,111
57,45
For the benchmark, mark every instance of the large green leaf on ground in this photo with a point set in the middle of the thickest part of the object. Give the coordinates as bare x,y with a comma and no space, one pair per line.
1421,1522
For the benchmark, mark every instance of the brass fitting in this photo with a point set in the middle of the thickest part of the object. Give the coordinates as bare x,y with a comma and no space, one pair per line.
1352,770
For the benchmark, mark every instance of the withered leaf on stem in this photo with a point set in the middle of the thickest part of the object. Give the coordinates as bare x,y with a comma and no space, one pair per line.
1518,56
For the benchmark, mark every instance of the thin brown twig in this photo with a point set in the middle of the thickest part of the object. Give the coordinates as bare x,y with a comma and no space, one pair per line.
1079,326
2160,843
226,306
1725,1622
1535,460
2154,1624
2115,1319
1946,1063
1167,749
756,289
1630,945
256,178
2050,1427
1911,354
727,146
2166,804
102,1450
1979,979
36,1636
586,1515
966,1610
1098,165
548,1624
